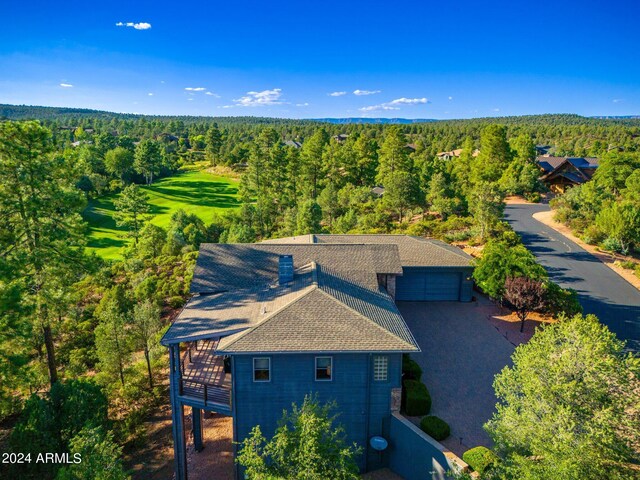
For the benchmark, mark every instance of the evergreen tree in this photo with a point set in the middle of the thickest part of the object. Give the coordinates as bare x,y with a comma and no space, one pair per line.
40,223
214,141
147,159
131,207
494,156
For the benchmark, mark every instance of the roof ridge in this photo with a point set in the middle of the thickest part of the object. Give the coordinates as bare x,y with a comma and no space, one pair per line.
436,243
373,323
241,334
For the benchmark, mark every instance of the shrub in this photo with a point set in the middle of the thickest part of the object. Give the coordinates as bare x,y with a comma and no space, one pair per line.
592,235
480,458
435,427
533,197
558,300
410,368
614,245
417,400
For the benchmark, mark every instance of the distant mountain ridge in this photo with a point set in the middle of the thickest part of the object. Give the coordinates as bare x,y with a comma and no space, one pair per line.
27,112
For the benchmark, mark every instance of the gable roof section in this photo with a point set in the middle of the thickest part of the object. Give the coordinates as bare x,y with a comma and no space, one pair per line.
336,315
227,267
209,316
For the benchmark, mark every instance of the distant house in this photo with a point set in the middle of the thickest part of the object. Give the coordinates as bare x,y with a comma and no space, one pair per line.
411,147
293,143
558,173
271,322
341,137
543,149
378,191
454,154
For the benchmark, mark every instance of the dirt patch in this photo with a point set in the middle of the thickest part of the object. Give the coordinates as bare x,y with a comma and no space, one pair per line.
508,324
515,200
608,259
216,459
153,457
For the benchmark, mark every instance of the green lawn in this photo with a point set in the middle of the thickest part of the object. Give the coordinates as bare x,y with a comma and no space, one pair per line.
194,191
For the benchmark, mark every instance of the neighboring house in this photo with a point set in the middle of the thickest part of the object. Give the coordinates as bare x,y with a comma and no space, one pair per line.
543,149
341,137
454,154
558,173
293,143
378,191
274,321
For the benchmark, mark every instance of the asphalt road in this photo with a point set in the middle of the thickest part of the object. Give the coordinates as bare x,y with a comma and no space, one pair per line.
601,291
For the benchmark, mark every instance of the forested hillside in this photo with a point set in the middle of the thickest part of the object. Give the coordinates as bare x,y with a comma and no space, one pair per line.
86,329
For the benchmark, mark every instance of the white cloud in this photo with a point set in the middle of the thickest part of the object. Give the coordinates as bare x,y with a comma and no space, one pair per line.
617,100
211,94
150,94
395,104
66,85
365,92
496,109
337,94
450,98
260,99
408,101
137,26
305,104
190,99
195,89
373,108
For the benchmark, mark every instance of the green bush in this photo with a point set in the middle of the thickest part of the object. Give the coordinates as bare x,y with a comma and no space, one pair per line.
480,458
410,369
558,300
416,398
435,427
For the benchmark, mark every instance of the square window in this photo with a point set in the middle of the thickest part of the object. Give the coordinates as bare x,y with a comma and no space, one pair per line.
380,368
262,369
324,368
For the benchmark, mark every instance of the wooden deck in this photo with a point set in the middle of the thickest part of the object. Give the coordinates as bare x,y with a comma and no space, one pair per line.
203,375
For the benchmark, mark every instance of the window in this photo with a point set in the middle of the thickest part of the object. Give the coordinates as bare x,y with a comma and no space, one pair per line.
380,368
262,369
324,368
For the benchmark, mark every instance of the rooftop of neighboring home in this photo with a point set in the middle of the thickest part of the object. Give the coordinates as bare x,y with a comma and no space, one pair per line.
549,164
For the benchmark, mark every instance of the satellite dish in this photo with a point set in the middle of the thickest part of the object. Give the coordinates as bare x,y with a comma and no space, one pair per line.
378,443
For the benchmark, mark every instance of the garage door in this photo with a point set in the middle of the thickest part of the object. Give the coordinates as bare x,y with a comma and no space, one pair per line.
428,285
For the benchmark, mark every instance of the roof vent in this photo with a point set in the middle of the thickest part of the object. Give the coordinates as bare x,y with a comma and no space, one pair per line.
285,269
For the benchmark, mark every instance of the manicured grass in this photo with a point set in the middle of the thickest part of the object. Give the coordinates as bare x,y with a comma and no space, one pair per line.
194,191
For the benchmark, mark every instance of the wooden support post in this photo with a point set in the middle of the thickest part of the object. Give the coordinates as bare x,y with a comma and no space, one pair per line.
177,416
196,415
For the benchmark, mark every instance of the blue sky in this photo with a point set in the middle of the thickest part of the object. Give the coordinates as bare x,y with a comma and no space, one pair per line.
418,59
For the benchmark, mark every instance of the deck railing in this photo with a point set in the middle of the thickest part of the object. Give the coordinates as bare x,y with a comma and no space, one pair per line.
195,388
210,394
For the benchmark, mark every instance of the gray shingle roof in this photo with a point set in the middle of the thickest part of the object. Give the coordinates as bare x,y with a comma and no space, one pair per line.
335,315
414,251
210,316
227,267
320,311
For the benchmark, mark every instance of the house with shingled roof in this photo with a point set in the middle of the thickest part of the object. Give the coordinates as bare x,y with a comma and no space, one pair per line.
559,173
271,322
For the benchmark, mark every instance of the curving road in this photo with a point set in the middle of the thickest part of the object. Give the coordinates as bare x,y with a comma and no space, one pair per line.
601,291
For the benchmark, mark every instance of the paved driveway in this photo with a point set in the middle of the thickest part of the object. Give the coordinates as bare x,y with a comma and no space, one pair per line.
602,292
461,353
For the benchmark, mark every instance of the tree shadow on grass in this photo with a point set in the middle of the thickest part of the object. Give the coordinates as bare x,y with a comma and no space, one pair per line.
205,194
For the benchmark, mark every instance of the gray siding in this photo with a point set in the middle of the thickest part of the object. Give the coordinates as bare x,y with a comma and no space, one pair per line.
292,377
